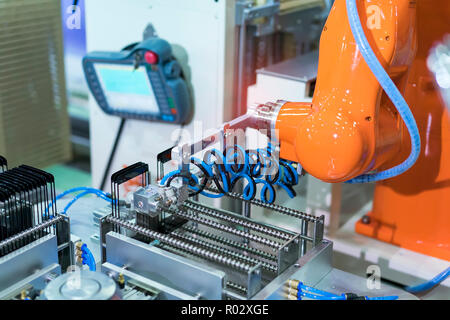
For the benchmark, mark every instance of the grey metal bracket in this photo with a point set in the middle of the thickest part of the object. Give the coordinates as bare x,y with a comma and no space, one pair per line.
246,11
288,254
254,284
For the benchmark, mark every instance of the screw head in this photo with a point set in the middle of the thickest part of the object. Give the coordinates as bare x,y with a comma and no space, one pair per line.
140,204
365,219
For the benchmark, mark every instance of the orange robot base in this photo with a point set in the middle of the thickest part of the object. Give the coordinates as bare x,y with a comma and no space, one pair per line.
413,210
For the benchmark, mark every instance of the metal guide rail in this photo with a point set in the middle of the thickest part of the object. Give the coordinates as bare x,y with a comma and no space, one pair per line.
18,240
239,246
58,226
312,227
250,254
242,262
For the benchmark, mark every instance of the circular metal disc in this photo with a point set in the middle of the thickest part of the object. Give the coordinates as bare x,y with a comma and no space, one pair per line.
81,285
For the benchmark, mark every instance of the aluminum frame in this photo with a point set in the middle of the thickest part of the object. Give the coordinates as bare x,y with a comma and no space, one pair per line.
172,270
28,260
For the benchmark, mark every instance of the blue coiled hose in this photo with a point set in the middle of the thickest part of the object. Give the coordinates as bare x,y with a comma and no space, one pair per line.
233,155
194,188
169,175
235,163
249,189
267,188
394,94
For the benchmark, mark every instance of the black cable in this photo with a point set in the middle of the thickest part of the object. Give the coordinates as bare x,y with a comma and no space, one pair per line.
204,181
113,153
192,183
74,5
238,162
251,181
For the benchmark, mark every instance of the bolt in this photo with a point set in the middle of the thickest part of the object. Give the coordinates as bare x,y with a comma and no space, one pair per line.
365,219
49,277
140,204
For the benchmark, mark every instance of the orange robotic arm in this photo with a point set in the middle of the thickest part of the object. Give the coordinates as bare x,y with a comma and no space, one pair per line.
352,127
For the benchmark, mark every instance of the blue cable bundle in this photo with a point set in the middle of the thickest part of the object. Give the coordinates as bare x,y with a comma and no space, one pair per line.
317,294
226,168
88,257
